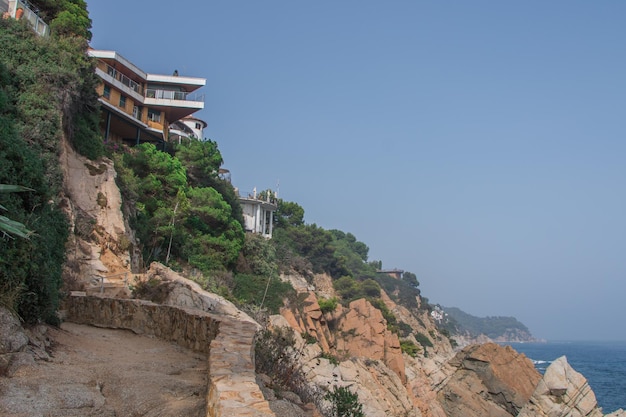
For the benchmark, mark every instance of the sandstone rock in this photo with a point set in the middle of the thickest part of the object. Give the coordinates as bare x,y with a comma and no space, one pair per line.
323,284
562,392
364,333
298,282
182,292
98,251
380,389
309,319
490,380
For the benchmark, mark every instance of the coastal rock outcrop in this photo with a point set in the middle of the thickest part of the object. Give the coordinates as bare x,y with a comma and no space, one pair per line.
490,380
170,288
380,390
562,392
359,330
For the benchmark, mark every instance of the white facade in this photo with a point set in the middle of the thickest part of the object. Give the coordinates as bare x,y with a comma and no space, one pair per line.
196,125
258,215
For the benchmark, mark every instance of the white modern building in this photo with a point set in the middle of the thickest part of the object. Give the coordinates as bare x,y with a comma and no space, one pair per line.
258,213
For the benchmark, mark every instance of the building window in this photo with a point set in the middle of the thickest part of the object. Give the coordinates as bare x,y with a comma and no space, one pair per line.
198,126
123,101
154,115
107,92
137,111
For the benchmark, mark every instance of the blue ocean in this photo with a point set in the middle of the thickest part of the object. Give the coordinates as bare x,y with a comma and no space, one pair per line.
602,363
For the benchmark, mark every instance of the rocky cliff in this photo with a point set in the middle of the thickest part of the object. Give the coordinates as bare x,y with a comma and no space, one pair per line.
102,247
351,346
480,380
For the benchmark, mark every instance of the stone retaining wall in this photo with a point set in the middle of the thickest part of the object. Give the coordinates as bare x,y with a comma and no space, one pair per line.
228,343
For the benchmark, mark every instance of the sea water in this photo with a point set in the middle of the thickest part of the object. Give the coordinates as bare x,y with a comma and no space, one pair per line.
602,363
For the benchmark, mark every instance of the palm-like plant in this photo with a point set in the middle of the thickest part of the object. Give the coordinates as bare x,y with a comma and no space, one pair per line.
10,227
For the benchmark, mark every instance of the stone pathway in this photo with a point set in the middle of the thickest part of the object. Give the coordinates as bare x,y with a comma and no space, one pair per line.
105,372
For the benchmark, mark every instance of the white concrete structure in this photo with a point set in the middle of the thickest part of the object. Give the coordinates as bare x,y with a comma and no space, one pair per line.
258,214
187,127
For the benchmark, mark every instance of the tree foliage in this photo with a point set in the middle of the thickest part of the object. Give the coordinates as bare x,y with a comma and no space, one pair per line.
66,17
492,326
399,290
288,214
46,90
194,224
344,403
410,278
202,160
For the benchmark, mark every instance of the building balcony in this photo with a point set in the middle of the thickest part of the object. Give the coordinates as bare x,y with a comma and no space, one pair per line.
170,96
175,104
28,13
121,82
123,79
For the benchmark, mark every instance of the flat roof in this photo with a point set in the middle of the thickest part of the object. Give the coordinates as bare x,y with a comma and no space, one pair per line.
157,78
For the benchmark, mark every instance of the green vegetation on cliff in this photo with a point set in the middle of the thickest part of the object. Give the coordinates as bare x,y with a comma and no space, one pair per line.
460,322
175,220
46,90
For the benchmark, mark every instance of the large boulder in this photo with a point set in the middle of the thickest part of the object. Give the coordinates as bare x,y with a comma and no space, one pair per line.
173,289
490,380
562,392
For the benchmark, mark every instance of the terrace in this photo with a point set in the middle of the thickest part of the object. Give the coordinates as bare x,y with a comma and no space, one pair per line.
23,10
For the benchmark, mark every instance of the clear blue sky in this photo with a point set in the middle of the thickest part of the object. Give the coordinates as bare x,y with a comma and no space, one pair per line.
478,144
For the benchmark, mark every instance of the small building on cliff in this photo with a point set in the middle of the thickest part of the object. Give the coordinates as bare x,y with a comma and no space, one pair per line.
258,213
393,273
187,127
141,107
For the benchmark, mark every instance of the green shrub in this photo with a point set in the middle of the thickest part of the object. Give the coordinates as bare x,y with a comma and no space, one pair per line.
327,305
250,289
370,288
348,288
308,338
344,403
272,353
423,340
404,329
331,358
409,348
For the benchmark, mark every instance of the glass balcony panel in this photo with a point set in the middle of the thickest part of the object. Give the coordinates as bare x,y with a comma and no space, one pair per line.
172,95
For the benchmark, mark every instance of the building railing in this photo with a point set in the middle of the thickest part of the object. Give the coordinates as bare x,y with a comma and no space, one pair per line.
124,79
173,95
30,14
254,195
